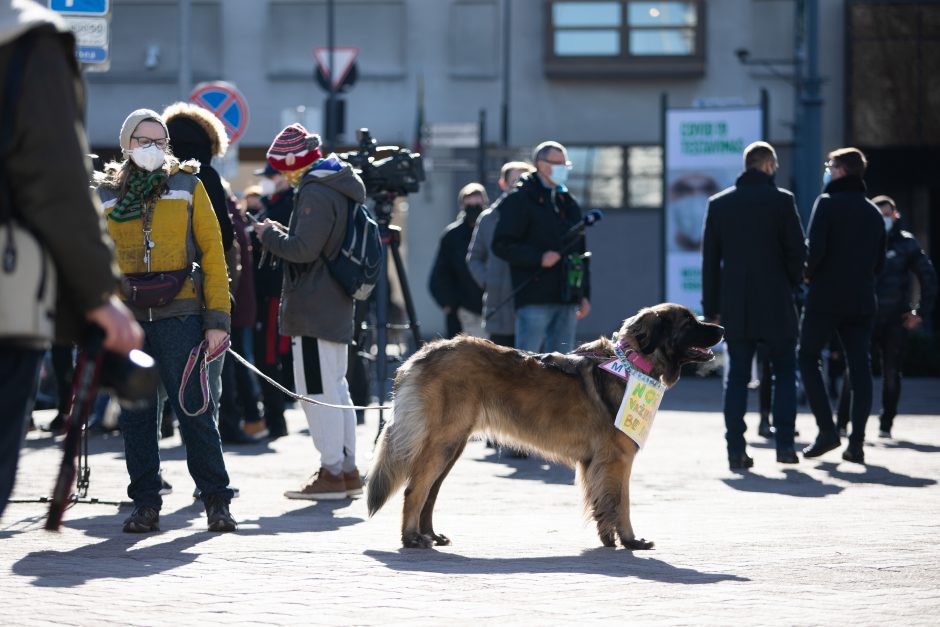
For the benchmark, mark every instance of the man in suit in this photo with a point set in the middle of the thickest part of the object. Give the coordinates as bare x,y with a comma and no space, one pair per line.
752,263
846,254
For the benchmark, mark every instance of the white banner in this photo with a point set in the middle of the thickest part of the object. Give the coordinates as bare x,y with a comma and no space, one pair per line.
704,154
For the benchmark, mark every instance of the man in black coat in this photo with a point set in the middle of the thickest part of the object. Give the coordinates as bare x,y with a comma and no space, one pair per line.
753,254
846,254
451,284
540,236
897,314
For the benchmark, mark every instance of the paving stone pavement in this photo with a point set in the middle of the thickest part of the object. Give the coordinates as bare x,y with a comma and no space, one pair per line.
822,542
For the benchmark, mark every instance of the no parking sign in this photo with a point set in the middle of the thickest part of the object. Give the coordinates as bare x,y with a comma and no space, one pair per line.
227,103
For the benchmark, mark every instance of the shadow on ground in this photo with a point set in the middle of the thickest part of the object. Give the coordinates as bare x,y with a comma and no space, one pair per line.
793,483
532,468
876,474
600,561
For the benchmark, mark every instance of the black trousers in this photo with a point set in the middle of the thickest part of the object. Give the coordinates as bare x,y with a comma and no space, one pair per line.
273,358
889,339
855,333
238,384
19,377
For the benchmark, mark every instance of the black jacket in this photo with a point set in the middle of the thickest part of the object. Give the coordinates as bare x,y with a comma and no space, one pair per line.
534,220
752,259
846,250
904,256
269,275
451,283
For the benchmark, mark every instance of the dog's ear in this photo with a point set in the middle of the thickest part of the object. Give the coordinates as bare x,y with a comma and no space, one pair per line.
647,328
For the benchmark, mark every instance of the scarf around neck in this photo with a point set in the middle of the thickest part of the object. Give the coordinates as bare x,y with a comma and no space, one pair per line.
142,187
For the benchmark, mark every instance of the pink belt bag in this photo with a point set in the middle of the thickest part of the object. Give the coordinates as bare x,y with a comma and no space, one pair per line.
152,289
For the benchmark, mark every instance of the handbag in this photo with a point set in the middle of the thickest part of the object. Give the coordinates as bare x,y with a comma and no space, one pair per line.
27,272
152,289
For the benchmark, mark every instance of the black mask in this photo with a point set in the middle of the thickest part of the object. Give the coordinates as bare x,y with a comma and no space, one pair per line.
472,212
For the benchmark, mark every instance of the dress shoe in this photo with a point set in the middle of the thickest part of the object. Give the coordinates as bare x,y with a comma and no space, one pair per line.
787,457
823,444
740,462
764,429
854,454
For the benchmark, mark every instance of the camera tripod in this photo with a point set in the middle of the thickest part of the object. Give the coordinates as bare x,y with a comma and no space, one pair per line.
391,242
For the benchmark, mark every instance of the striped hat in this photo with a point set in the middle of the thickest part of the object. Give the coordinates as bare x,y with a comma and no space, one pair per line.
294,148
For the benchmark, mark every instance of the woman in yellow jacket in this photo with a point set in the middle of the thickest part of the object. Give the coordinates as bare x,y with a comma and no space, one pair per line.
169,247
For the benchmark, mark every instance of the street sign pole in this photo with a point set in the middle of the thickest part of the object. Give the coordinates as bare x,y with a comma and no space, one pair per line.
331,98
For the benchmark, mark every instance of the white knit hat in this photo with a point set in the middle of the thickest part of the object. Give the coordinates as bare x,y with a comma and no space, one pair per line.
134,119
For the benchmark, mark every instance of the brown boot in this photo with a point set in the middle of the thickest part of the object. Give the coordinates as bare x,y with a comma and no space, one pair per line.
322,486
353,483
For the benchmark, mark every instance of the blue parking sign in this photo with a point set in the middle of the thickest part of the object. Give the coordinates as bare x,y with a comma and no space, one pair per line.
80,7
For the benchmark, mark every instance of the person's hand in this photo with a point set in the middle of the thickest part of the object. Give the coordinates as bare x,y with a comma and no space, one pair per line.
911,320
122,334
215,337
261,227
583,310
550,258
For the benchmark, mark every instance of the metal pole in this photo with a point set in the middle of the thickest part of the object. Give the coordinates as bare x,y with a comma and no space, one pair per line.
799,54
186,49
504,121
331,99
481,150
811,165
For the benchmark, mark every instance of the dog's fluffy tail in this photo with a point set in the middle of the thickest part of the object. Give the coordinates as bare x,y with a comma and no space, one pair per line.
400,442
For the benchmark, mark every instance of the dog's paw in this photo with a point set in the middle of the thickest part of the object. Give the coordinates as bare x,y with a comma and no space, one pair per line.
440,539
608,540
417,540
637,544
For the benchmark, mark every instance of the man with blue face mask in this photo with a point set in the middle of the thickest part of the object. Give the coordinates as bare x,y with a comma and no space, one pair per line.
846,255
537,235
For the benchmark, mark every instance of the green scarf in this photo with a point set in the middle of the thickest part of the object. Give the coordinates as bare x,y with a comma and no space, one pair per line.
141,187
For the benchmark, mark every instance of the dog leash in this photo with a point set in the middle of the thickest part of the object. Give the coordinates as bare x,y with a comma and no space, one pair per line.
201,350
294,395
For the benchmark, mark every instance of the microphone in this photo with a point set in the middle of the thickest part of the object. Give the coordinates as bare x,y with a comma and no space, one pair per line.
592,217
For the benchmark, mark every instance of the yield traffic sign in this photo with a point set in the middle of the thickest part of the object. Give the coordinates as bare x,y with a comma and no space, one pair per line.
343,60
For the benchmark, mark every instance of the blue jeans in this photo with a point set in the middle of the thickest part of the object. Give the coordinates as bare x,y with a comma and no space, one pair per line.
781,354
546,328
169,342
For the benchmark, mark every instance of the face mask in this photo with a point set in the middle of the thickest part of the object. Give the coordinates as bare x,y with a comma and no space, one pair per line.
149,158
827,177
472,212
889,222
267,187
560,173
689,215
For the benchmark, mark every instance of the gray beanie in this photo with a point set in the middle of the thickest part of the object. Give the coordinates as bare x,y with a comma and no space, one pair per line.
135,118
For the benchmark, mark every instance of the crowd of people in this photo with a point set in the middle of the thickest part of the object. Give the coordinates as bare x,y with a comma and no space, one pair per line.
182,268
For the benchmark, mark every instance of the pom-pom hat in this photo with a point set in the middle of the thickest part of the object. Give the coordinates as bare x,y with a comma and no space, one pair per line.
294,148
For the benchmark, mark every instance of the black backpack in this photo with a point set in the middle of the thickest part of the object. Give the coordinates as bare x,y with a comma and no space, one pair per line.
357,265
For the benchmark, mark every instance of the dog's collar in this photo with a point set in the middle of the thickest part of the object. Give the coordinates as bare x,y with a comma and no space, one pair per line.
628,355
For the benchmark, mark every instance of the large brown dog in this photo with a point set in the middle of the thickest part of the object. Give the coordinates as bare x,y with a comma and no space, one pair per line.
559,406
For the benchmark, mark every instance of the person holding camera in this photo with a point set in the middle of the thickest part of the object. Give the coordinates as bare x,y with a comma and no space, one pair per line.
47,191
169,247
315,310
537,234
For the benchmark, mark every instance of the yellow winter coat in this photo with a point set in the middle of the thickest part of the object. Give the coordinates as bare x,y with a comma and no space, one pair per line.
175,247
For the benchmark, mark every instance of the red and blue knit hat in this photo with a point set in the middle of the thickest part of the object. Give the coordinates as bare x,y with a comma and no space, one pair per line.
294,148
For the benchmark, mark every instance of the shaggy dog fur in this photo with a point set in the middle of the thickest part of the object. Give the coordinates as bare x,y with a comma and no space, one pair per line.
561,407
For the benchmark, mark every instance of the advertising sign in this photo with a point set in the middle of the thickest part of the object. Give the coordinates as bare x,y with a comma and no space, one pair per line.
704,151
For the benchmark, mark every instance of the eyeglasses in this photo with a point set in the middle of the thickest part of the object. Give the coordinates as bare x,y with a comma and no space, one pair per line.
147,142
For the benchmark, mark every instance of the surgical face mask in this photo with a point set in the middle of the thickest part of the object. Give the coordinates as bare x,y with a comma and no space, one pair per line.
827,177
267,187
889,222
149,158
689,215
560,173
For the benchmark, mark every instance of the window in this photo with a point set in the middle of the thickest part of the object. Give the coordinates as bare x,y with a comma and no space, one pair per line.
616,177
645,176
621,38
